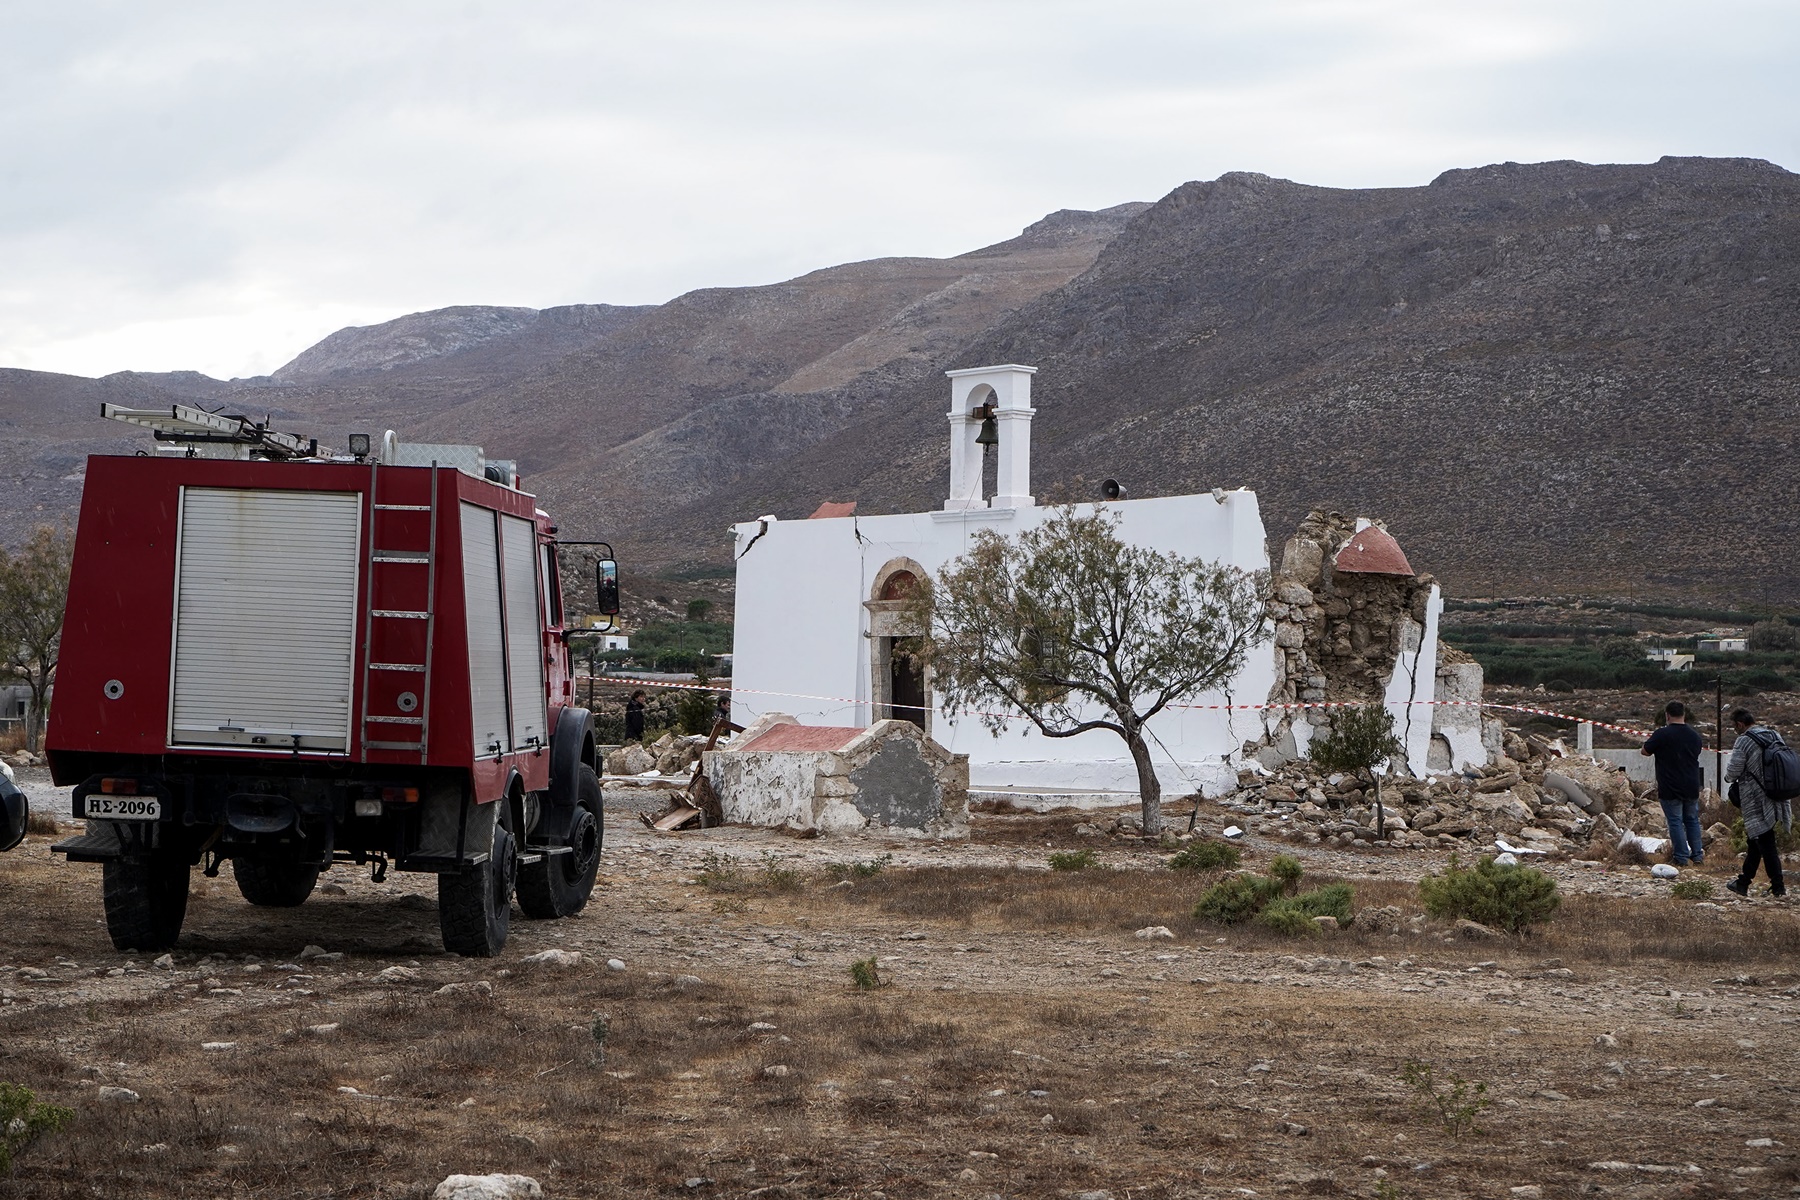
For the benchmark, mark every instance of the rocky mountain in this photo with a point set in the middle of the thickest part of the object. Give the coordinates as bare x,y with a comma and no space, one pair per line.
1554,377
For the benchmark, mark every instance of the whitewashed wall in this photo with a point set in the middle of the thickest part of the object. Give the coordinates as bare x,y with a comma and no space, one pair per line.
801,644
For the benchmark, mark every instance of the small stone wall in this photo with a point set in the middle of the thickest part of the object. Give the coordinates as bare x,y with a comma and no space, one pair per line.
889,778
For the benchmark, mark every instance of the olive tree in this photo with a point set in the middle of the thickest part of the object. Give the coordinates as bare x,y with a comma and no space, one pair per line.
1072,629
34,587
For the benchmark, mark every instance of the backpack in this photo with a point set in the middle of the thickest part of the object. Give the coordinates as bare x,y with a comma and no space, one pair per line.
1780,767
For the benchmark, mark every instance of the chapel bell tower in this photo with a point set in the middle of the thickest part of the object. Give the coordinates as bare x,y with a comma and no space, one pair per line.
1002,394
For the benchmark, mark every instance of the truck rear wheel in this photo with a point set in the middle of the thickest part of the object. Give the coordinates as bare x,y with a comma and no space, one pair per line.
274,881
146,900
475,906
558,885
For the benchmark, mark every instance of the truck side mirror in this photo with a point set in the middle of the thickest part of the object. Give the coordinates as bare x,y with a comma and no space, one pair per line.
606,587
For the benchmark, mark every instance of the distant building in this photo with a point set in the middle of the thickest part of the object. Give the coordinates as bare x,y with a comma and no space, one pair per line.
15,704
1724,645
612,641
1671,659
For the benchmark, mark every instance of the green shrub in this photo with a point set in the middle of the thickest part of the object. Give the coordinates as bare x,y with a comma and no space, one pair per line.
719,872
1293,915
777,876
1787,840
1285,869
695,711
1287,918
1692,889
1506,897
865,975
1456,1104
867,868
22,1118
1073,860
1236,898
1206,856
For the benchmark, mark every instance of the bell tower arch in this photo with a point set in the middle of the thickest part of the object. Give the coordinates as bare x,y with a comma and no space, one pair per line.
1005,392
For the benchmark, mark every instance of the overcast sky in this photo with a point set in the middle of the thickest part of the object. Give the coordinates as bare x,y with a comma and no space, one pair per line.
216,186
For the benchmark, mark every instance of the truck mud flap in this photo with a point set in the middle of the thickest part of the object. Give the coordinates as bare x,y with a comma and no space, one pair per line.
569,748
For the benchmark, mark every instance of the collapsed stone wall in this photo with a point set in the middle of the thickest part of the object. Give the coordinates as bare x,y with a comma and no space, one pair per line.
1361,636
1338,635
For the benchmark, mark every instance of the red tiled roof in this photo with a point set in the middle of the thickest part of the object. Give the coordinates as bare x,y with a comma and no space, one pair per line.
1372,551
832,508
805,737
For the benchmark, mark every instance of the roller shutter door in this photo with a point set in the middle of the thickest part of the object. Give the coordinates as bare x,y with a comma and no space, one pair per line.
487,631
524,632
265,618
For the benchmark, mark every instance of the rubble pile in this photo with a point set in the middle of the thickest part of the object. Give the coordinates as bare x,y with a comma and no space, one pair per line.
1531,798
23,758
671,754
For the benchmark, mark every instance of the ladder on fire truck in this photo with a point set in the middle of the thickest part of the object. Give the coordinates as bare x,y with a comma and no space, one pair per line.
398,561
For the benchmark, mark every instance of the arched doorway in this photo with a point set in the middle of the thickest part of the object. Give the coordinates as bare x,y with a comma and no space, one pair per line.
899,686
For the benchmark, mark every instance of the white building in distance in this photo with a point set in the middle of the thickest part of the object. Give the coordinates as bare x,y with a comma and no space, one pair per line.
820,612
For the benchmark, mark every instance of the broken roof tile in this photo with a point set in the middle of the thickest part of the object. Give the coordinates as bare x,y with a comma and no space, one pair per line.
833,508
804,737
1373,551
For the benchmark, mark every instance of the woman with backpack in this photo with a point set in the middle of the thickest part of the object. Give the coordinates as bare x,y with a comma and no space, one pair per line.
1762,812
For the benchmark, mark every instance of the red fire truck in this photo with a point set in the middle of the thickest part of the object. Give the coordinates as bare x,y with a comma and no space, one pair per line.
288,659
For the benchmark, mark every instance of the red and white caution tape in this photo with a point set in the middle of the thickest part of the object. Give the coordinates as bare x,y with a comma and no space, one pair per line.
1626,730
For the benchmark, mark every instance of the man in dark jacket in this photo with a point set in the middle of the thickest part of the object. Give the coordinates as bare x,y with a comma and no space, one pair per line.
634,717
1676,749
1762,813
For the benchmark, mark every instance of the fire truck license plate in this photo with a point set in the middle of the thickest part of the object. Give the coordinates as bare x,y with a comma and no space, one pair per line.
125,808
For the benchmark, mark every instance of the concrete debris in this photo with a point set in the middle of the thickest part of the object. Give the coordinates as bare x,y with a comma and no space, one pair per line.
488,1187
478,987
889,778
553,958
630,760
1150,932
118,1095
396,974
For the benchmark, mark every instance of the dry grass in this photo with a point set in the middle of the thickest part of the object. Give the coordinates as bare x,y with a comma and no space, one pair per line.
1040,1088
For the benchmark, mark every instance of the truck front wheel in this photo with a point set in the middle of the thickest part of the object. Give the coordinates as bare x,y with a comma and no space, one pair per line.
146,900
475,906
274,882
558,885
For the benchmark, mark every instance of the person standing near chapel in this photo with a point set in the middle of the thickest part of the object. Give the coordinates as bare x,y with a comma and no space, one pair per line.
1676,749
1761,814
634,717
